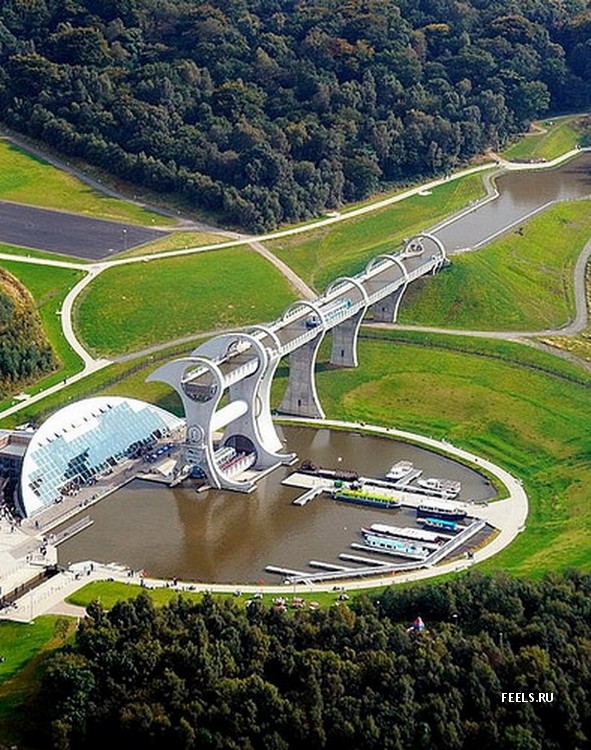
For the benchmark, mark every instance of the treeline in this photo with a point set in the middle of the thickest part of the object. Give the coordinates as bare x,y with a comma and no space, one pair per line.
25,353
266,111
217,675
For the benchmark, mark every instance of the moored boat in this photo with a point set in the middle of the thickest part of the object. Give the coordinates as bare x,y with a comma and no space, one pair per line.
440,523
400,470
419,535
398,547
363,497
307,467
448,487
430,545
434,508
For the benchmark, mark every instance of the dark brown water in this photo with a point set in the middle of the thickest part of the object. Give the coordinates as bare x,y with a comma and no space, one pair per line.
223,537
521,193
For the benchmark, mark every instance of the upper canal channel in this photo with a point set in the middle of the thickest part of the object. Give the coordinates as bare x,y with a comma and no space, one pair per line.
521,194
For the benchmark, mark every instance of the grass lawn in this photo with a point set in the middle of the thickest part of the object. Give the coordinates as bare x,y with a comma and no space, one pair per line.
23,647
110,592
522,281
560,137
131,307
519,407
175,241
49,286
25,178
345,247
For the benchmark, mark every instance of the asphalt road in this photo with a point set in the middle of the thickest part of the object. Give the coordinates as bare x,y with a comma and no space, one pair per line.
70,234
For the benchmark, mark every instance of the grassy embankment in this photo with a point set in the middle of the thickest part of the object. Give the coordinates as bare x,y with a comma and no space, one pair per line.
133,306
522,281
23,647
579,345
25,178
323,254
175,241
551,138
49,286
523,409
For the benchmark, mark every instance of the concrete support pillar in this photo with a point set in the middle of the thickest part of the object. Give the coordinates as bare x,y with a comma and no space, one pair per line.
301,398
265,440
386,309
344,341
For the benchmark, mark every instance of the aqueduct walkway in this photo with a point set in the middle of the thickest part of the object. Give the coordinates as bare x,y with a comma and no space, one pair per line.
225,384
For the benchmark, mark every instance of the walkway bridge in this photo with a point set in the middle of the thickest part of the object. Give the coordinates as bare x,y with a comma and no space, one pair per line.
225,384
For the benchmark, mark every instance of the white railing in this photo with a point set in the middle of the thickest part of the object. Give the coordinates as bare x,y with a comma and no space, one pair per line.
240,372
333,318
240,465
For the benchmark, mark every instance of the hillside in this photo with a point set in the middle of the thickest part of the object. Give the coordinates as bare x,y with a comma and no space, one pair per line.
272,111
25,353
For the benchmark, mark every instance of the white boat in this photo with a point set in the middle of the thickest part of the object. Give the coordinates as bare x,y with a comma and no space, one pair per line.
448,487
391,546
400,470
441,509
419,535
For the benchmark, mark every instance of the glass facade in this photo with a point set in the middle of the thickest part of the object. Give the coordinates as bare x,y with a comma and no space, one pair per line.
86,439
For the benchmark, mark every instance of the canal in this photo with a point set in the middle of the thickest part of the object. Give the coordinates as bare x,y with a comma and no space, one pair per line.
226,537
521,194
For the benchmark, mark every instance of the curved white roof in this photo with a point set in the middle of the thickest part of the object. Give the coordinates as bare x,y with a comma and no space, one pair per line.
83,439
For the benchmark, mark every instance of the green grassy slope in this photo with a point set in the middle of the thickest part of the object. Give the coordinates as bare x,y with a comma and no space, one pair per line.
321,255
25,178
556,137
522,281
130,307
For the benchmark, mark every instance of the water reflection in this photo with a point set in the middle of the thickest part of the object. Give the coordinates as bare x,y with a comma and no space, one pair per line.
521,193
229,537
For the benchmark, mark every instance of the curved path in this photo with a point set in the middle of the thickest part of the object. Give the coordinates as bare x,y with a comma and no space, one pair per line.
508,515
93,269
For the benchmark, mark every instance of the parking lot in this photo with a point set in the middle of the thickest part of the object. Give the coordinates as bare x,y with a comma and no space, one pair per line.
69,234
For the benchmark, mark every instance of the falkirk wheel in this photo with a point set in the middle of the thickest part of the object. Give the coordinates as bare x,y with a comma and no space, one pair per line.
225,383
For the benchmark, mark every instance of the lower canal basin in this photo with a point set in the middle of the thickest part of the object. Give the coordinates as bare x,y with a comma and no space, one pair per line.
227,537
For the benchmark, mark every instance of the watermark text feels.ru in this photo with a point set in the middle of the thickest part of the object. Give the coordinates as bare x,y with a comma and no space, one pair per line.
527,697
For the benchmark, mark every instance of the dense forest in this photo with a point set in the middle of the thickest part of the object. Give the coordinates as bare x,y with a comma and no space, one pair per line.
25,353
217,675
266,111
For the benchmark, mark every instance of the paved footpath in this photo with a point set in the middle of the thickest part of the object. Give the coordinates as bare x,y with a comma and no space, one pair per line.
509,516
92,270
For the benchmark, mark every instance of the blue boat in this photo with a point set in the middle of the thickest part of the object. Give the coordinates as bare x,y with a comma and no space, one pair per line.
440,523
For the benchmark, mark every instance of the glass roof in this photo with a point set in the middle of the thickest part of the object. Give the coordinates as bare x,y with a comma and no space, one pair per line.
83,440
